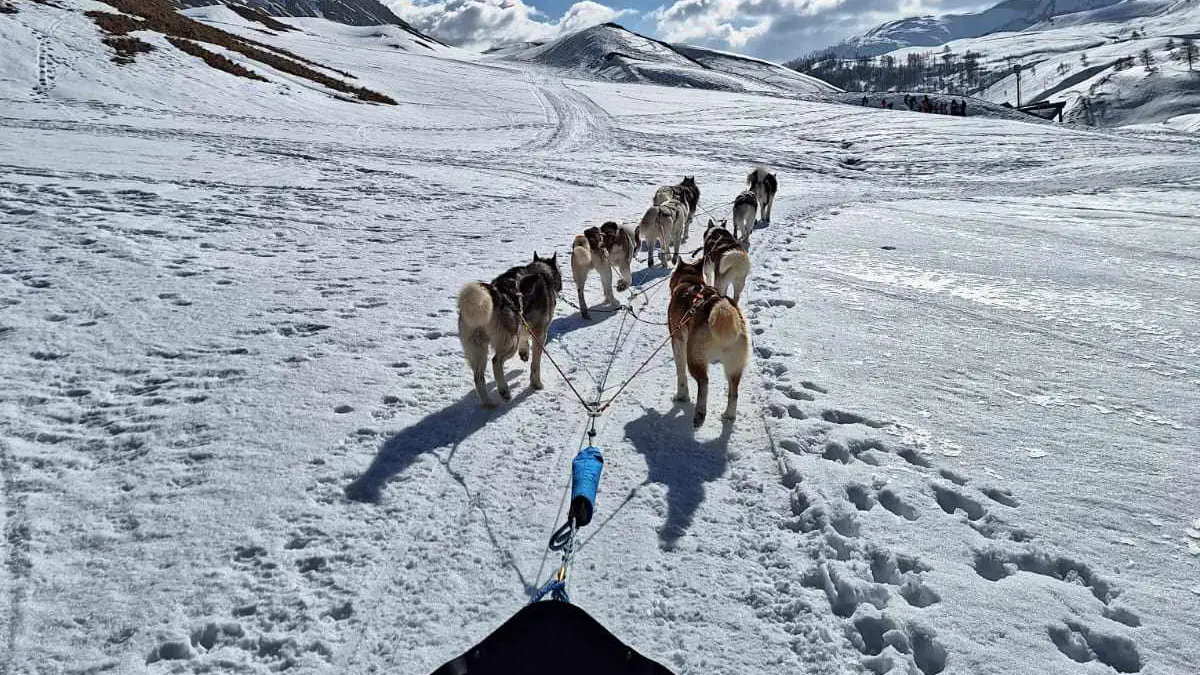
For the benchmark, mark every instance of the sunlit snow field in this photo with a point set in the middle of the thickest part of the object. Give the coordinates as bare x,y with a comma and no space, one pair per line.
237,427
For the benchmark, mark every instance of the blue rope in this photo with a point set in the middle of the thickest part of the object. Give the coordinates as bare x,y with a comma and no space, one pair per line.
557,590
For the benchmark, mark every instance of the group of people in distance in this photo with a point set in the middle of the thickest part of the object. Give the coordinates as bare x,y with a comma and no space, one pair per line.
925,105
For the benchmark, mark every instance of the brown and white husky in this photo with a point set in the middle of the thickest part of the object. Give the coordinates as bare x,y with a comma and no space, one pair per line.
495,315
705,326
726,261
603,249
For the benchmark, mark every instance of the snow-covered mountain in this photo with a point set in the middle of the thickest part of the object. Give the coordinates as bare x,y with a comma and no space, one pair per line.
1116,65
237,432
614,53
349,12
1008,16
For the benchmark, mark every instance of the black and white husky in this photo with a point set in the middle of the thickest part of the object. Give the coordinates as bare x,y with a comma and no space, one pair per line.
687,192
764,186
725,260
490,316
603,249
663,224
745,207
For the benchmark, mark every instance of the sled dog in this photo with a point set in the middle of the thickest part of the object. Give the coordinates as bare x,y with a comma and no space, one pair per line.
490,316
603,249
745,206
663,224
725,260
687,192
764,185
705,326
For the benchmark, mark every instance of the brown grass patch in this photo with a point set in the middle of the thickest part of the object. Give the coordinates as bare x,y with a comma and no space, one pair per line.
162,17
254,14
115,24
218,61
127,47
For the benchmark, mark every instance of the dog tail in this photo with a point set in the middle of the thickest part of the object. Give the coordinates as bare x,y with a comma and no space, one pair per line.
581,253
726,323
475,305
736,263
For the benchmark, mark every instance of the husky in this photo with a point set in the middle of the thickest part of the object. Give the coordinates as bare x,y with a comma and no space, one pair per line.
705,326
745,206
764,185
603,249
687,192
725,260
664,224
495,315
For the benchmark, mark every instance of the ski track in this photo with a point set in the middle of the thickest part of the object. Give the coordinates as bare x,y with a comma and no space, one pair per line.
248,315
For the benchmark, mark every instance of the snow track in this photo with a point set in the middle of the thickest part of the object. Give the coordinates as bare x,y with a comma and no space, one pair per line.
238,432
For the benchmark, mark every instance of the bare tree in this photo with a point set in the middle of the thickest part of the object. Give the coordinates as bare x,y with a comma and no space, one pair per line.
1189,52
1147,59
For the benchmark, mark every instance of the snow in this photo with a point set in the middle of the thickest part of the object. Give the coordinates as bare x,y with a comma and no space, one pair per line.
1072,58
1008,16
610,52
226,306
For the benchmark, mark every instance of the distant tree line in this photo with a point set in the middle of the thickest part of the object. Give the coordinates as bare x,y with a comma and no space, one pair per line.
948,72
943,71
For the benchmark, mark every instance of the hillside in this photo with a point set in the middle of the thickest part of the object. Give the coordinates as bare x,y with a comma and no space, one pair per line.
611,52
1007,16
238,434
349,12
1107,69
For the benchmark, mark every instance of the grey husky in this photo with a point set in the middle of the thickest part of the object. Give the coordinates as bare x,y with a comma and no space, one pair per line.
500,315
686,192
764,185
745,206
663,224
603,249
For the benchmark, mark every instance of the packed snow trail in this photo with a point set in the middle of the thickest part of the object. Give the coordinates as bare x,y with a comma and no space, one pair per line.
238,432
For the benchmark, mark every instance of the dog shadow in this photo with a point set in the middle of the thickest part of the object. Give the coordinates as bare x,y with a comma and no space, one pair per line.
648,274
447,427
680,462
566,324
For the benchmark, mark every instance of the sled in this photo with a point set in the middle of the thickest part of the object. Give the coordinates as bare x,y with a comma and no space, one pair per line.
551,638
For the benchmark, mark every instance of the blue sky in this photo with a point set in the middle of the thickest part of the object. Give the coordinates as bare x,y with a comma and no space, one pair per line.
772,29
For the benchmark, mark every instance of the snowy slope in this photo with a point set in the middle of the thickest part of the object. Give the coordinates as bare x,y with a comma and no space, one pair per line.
350,12
1007,16
1078,63
237,433
753,69
616,54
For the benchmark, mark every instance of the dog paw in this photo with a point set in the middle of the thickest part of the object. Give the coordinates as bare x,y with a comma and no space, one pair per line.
536,386
622,286
586,316
524,356
505,394
488,405
680,396
729,417
698,419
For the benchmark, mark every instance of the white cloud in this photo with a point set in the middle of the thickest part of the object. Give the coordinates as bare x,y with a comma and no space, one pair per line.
783,29
478,24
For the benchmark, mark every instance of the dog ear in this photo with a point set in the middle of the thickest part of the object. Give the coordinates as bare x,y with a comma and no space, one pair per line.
554,257
535,257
